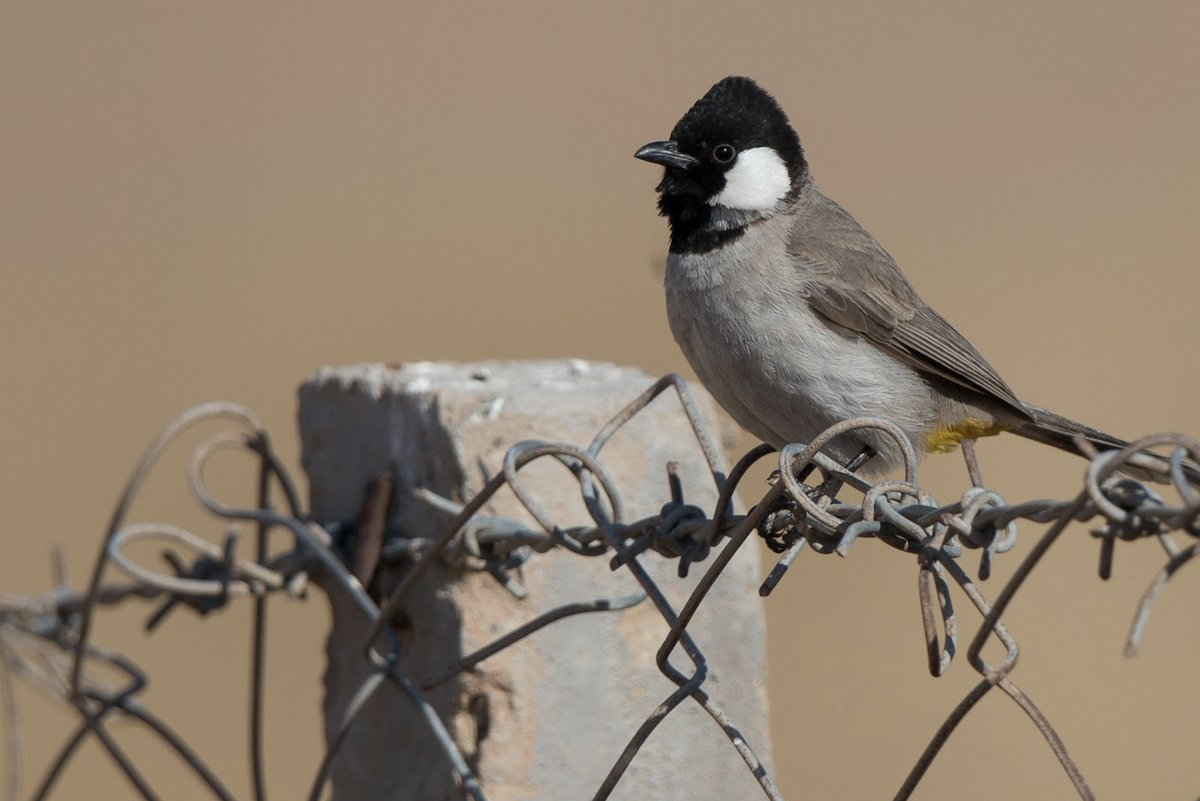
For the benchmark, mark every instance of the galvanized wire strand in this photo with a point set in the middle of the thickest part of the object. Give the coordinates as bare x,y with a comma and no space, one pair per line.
12,786
126,703
185,421
340,574
258,636
999,676
968,509
392,604
643,733
357,703
899,514
1137,453
129,707
310,542
939,657
1011,651
92,724
247,577
633,564
692,683
676,382
724,506
462,772
940,737
1057,746
960,711
973,518
305,536
180,746
1008,592
520,633
687,612
1138,629
525,452
1178,472
517,457
799,454
973,510
690,688
93,710
740,744
931,584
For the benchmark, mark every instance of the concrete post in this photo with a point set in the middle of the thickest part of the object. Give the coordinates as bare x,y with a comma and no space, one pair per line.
547,717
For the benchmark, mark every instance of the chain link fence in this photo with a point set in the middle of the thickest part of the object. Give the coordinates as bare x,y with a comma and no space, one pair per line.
47,640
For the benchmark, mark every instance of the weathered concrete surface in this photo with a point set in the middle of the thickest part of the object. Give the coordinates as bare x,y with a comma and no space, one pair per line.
547,718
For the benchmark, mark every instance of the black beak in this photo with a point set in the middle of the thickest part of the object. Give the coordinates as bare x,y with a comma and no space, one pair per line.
667,154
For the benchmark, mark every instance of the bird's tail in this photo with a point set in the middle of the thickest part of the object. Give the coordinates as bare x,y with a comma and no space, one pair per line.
1053,429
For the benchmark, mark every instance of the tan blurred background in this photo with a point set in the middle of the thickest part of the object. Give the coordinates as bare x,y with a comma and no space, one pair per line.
209,201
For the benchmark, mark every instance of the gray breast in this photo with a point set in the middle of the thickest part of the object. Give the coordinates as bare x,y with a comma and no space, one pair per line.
780,370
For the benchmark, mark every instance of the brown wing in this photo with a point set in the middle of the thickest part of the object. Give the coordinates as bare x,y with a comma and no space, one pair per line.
851,280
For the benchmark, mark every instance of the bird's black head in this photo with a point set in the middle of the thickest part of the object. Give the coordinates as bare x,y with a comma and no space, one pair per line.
733,158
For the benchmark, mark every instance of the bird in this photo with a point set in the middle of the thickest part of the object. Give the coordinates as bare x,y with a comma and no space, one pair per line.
795,318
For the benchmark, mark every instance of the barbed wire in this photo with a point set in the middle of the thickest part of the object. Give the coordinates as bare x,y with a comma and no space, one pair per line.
47,639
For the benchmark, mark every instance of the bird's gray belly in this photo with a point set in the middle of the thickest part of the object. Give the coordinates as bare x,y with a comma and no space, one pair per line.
785,374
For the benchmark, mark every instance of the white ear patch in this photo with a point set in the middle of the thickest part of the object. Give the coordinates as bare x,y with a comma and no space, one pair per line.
756,182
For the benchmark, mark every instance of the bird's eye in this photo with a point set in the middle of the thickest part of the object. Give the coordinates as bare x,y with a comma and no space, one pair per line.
723,154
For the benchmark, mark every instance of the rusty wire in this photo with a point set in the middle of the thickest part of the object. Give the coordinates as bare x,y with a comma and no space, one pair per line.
47,639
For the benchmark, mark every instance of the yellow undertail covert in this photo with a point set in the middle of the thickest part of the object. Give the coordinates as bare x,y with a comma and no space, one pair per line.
947,439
